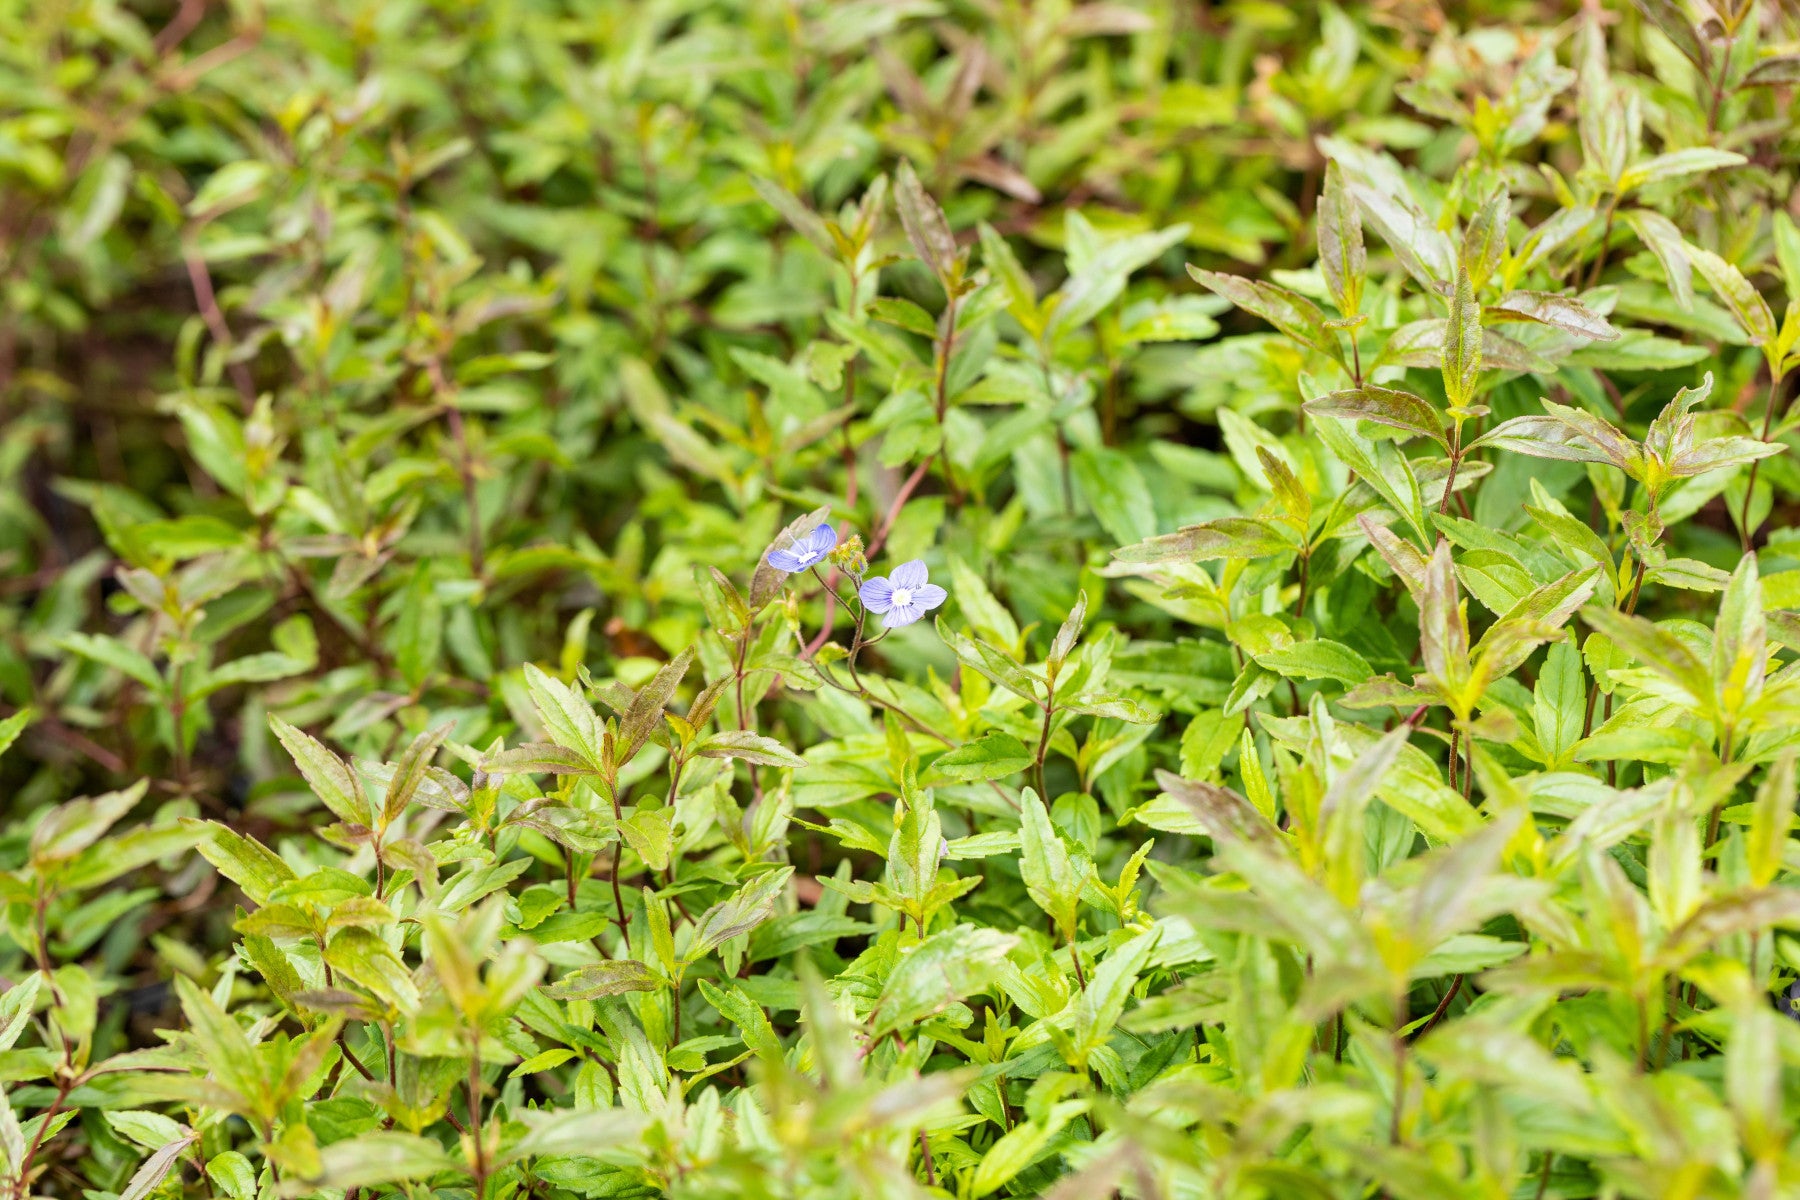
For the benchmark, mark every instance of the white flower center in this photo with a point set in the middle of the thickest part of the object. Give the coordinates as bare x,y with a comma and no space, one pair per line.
902,597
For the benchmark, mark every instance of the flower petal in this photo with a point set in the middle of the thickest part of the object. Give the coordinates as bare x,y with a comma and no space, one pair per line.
821,540
929,596
902,614
877,594
910,574
786,560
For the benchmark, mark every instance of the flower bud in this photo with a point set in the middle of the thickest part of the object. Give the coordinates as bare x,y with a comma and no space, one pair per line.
848,556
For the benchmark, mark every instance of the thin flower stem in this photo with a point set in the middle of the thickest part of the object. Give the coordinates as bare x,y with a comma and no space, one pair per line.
1455,463
350,1057
200,279
1612,210
618,856
856,648
481,1165
1718,85
1745,533
946,346
839,596
64,1086
1043,746
1455,757
1443,1007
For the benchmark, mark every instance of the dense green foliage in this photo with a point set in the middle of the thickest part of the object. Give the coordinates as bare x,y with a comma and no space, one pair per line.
460,462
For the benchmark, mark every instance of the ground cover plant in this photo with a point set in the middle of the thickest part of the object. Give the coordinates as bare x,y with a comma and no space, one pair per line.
899,597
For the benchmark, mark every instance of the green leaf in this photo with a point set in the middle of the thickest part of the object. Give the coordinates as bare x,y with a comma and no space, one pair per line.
650,832
1342,258
994,755
410,773
1559,312
939,971
753,1024
329,776
738,913
1462,348
1176,319
1557,702
576,1132
243,860
1693,160
1778,71
993,664
1102,1002
230,1058
1484,241
1670,248
1117,493
1017,1149
1740,640
1021,294
1319,658
1384,406
156,1168
365,958
1067,634
231,186
1744,301
612,978
72,827
903,314
646,710
232,1174
122,853
1052,876
113,653
1290,312
13,726
384,1156
745,746
925,225
1380,465
16,1008
567,717
794,212
1226,537
417,636
1100,278
978,605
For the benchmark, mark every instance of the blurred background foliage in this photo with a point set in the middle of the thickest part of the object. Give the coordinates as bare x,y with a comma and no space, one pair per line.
353,355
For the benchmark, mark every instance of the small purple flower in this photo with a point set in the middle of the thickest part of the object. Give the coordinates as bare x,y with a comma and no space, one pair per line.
807,551
904,598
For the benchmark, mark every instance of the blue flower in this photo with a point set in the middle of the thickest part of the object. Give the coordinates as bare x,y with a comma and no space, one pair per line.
807,551
904,598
